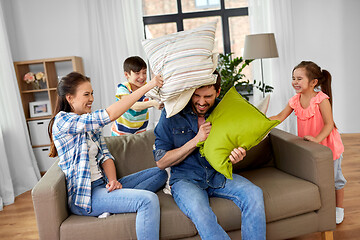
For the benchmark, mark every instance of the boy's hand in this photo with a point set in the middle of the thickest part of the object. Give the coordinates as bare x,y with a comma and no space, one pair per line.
157,81
158,105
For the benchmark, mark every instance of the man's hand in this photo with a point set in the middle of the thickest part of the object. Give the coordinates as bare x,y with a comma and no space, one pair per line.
204,132
113,185
237,155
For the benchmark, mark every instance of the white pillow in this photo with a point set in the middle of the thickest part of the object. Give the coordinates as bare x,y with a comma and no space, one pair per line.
185,61
264,104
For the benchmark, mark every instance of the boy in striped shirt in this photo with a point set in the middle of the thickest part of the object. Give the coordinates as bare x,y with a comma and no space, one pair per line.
136,119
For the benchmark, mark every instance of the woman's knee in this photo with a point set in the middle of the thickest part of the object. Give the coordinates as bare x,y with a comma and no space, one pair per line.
150,199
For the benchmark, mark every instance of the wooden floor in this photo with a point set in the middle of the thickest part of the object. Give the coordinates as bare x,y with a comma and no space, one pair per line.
17,221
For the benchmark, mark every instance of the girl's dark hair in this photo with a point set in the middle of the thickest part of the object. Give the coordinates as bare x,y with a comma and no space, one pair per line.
313,71
134,64
67,85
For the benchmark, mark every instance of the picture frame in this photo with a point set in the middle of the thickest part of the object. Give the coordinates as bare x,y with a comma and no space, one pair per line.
39,108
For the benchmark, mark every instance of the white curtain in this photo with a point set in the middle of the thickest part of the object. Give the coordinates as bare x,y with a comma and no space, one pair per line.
115,33
18,168
276,16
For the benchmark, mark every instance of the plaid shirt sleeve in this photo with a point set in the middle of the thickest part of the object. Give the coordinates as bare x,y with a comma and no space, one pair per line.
105,151
72,123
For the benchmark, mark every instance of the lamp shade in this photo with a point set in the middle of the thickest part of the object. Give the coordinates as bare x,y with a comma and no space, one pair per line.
260,46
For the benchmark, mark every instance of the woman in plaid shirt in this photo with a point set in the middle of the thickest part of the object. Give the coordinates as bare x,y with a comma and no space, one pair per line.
92,186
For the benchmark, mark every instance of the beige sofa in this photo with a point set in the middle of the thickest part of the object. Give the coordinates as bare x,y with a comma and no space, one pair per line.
296,177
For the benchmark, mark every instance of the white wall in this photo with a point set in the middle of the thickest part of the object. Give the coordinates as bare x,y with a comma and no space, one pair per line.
46,29
328,33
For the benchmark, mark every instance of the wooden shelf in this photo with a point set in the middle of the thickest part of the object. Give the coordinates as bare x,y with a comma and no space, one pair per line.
37,146
35,91
38,118
52,68
49,67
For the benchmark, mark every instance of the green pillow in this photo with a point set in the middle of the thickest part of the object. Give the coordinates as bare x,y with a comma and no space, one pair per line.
235,123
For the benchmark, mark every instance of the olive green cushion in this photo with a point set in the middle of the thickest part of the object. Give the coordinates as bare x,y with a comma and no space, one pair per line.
235,123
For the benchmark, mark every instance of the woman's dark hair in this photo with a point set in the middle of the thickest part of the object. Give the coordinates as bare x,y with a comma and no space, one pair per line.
313,71
67,85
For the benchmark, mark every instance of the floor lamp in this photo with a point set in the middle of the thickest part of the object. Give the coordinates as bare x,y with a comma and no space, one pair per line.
259,46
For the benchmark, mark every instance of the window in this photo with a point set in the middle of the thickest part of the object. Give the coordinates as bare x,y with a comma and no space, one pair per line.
207,3
162,17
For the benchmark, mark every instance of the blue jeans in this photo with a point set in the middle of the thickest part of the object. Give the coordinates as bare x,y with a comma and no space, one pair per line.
137,195
194,203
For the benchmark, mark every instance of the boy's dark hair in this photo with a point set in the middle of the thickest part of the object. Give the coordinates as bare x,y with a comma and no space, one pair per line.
134,64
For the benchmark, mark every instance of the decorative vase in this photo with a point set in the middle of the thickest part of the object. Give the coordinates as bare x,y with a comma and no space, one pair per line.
35,85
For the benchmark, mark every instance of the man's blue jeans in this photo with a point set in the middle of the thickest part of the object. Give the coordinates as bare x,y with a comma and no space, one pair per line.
137,195
194,203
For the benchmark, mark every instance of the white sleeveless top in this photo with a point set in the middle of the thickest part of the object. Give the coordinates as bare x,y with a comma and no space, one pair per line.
94,168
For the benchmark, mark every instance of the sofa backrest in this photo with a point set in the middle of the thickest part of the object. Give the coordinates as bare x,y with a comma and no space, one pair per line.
132,153
259,156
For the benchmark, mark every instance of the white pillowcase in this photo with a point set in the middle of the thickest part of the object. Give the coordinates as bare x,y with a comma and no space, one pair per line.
264,104
185,61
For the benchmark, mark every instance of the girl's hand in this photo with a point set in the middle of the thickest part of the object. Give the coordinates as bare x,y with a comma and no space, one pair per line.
113,185
311,139
237,155
157,81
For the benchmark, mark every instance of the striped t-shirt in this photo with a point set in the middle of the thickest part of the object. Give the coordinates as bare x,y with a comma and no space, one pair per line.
131,122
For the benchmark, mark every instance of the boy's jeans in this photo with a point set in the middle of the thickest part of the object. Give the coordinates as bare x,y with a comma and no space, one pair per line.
194,203
137,195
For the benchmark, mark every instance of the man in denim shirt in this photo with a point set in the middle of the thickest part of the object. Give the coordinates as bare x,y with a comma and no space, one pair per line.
193,180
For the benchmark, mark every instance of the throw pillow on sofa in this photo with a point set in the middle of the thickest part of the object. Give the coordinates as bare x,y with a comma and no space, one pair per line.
235,123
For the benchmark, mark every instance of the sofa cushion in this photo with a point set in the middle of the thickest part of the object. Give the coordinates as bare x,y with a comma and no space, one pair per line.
284,195
117,226
174,224
259,156
138,155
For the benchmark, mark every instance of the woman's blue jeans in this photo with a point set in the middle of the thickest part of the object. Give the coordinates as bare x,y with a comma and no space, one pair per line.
137,195
194,203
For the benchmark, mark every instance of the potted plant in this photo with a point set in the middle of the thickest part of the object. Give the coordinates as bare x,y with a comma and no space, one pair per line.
230,70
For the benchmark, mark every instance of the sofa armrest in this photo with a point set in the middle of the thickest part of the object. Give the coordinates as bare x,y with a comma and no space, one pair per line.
309,161
50,203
